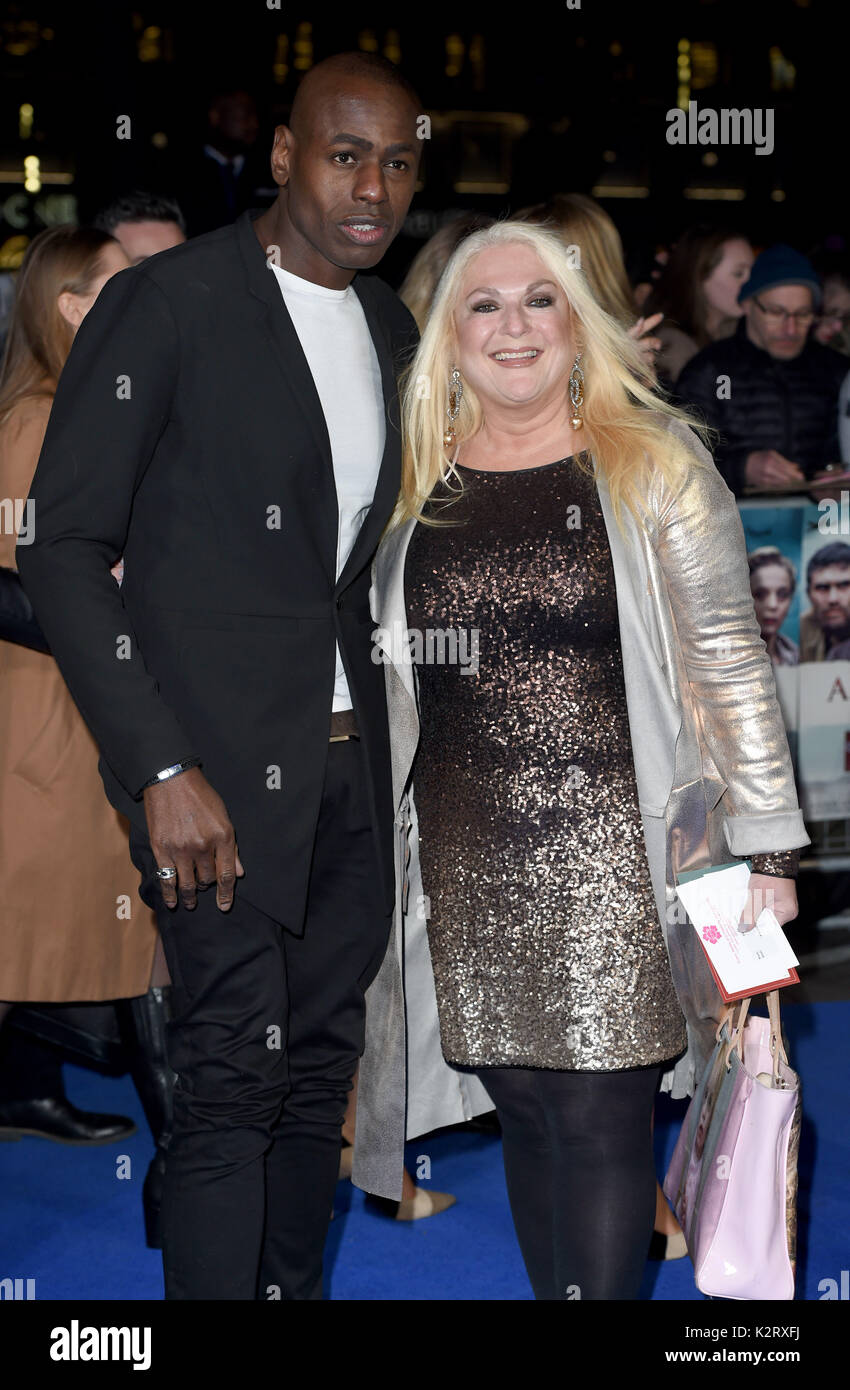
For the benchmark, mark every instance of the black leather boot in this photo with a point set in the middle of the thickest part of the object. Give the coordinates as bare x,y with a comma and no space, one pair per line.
33,1100
144,1024
54,1117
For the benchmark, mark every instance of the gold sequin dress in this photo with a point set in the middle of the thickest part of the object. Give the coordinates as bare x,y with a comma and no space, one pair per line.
543,928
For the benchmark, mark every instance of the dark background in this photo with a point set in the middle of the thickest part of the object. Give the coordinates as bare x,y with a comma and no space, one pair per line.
526,100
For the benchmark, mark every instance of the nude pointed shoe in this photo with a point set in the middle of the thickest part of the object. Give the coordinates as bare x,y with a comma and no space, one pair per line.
425,1203
663,1247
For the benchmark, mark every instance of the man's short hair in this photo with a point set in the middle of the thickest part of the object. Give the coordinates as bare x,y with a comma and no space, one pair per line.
836,553
139,206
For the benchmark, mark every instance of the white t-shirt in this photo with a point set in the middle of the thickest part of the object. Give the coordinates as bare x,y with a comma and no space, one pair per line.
335,337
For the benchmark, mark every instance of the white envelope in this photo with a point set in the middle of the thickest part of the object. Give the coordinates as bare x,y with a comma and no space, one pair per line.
747,960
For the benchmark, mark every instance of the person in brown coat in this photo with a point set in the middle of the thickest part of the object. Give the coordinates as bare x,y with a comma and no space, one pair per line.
73,928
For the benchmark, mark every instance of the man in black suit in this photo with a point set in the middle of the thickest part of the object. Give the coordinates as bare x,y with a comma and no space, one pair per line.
245,468
230,173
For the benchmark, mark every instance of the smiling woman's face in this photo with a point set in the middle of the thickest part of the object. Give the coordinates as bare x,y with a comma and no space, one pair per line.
515,340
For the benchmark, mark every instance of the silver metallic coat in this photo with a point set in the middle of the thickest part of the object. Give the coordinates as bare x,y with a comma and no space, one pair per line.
713,773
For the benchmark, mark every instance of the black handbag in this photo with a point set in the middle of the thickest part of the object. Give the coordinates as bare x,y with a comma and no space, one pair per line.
17,620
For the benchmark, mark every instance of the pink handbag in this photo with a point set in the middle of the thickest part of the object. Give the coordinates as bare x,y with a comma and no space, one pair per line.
732,1180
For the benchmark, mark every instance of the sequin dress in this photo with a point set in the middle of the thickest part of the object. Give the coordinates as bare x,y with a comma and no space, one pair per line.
543,927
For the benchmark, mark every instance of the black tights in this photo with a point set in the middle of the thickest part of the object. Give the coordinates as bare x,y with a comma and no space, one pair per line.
580,1175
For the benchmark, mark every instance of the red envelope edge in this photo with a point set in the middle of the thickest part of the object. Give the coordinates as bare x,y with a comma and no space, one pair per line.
793,979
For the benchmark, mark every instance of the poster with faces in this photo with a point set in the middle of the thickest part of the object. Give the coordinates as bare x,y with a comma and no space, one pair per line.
799,560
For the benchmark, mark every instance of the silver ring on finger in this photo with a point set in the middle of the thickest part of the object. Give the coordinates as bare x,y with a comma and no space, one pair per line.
166,873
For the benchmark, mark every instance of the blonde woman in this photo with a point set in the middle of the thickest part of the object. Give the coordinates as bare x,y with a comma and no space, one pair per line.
583,223
596,713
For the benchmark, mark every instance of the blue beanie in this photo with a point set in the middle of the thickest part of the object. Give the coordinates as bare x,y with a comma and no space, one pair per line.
781,265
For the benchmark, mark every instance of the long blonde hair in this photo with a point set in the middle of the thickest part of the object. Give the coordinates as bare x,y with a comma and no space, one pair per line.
625,418
420,283
59,259
584,223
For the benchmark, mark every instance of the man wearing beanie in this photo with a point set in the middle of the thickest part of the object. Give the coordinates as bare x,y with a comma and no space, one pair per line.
770,390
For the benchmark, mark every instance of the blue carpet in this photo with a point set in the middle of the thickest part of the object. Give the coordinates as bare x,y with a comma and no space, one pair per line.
75,1226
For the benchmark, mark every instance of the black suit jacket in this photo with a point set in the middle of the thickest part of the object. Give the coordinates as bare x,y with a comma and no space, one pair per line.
198,183
185,415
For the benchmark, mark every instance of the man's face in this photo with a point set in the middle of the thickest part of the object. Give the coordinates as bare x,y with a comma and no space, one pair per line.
829,591
778,320
233,118
142,239
350,174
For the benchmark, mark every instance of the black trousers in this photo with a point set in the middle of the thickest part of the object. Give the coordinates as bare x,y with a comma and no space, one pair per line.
268,1028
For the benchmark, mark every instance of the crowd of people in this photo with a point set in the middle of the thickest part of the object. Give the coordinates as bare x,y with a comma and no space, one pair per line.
754,342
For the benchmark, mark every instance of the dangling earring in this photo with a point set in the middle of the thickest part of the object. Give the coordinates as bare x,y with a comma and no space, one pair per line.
453,407
577,393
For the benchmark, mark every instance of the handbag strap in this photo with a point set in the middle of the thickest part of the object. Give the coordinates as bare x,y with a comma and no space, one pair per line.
777,1047
739,1028
725,1018
735,1032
